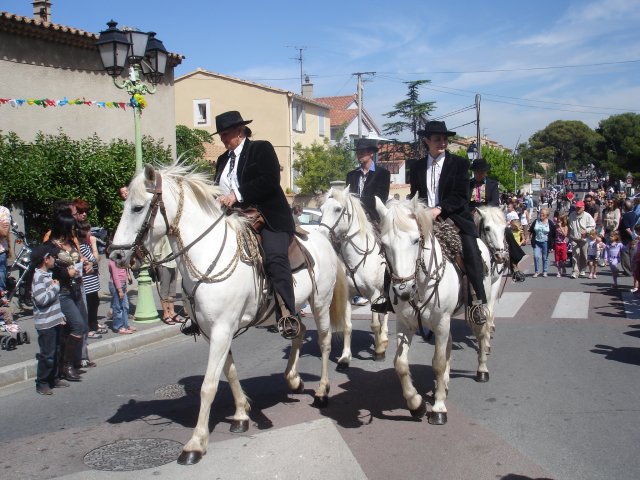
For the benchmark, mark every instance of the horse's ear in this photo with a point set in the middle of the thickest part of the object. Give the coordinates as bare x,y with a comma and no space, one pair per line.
415,201
149,173
346,190
381,208
480,212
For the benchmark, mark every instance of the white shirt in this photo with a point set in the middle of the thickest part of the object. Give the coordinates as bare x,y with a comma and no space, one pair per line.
434,170
512,215
229,179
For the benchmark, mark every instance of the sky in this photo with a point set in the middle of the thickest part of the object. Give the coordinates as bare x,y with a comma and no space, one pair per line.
531,62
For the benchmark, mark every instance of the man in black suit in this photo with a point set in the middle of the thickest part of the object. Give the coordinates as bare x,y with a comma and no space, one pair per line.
249,174
441,180
368,181
484,191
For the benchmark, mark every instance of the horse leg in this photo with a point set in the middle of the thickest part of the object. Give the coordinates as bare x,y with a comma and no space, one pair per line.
379,349
345,358
219,346
240,421
415,404
482,336
440,365
291,375
321,396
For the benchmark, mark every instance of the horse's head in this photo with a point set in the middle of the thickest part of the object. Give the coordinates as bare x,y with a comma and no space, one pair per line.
335,212
491,224
132,237
402,233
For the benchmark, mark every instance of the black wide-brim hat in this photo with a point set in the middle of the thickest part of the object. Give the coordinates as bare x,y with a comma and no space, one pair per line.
365,144
228,120
435,127
480,164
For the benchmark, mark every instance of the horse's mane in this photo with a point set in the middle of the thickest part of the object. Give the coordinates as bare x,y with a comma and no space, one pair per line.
342,196
198,187
492,214
400,221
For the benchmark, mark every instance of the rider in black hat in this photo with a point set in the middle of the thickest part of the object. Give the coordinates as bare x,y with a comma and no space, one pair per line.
249,174
441,180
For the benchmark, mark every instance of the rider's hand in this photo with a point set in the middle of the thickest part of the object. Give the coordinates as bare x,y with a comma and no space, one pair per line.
436,212
228,200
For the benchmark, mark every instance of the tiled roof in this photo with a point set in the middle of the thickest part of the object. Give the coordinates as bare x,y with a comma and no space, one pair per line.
340,117
35,28
340,103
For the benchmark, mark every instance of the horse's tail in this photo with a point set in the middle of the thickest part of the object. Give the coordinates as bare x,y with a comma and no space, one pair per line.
339,302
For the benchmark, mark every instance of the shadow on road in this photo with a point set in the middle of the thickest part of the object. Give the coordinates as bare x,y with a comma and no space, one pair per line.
630,355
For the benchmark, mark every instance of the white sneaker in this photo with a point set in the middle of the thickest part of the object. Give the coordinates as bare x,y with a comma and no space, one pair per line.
573,275
582,274
544,274
535,275
360,301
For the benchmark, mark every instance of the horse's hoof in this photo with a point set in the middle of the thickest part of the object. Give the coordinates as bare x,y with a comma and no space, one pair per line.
321,402
300,388
482,377
342,367
239,426
189,458
379,357
438,418
420,411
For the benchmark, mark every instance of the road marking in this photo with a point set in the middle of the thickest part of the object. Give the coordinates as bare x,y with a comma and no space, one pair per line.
510,303
572,305
631,304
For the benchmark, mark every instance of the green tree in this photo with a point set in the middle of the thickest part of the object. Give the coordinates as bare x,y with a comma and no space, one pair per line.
320,164
568,144
411,112
190,147
620,147
53,167
501,167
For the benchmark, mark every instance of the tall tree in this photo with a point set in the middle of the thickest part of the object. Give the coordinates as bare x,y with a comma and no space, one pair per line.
412,113
621,144
568,144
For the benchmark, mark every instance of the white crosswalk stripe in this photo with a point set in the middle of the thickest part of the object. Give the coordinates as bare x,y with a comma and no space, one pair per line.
572,305
510,303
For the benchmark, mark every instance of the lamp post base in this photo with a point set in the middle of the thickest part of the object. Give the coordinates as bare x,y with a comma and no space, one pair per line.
146,307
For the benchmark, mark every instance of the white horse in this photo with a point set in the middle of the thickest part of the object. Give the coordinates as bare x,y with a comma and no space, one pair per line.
491,224
219,261
345,222
427,288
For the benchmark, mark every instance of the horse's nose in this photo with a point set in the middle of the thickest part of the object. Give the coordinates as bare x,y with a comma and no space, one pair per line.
405,290
499,257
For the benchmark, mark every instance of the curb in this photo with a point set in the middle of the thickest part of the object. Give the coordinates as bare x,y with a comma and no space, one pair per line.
22,371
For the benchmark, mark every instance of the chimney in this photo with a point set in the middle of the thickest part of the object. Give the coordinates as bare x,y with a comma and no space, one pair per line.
307,88
42,10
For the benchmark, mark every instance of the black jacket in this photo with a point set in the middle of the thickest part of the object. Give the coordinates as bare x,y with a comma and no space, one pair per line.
453,188
492,194
259,184
375,185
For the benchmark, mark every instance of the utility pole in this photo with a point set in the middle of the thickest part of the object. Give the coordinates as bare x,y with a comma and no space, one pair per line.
359,95
299,59
478,125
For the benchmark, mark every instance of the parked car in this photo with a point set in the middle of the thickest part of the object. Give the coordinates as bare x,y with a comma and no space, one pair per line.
310,218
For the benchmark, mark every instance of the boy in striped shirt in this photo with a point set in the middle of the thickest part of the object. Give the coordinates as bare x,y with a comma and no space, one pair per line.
48,319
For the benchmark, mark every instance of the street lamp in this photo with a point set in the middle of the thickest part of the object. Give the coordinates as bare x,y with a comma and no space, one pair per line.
472,152
146,56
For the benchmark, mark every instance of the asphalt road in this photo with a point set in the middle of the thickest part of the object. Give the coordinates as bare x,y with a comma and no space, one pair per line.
562,403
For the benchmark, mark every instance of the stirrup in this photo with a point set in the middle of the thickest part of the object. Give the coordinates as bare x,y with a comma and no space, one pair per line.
191,329
476,313
379,305
289,326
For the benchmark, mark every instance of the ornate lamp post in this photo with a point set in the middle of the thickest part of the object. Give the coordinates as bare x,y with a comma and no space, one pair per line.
145,55
472,152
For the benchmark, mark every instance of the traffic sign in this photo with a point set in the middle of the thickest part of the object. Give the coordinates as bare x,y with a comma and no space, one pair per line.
629,178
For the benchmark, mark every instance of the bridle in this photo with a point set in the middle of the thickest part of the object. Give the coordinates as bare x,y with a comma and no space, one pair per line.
139,250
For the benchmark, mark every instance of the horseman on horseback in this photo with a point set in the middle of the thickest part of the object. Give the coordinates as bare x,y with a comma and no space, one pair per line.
484,192
249,175
367,182
441,180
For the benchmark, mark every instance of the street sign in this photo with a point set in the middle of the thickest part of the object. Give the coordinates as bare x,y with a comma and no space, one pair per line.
629,179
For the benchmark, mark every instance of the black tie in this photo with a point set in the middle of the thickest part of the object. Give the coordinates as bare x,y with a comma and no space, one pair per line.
232,163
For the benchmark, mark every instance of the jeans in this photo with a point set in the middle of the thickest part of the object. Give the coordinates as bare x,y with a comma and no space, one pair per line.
49,341
72,305
541,249
119,308
3,271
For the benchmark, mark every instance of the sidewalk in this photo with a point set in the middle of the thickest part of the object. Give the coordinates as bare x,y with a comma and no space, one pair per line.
20,364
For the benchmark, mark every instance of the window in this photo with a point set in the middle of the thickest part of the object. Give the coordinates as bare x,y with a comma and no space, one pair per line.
321,123
298,119
202,113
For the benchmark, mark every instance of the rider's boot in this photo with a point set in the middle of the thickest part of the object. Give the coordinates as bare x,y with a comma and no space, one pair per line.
477,312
